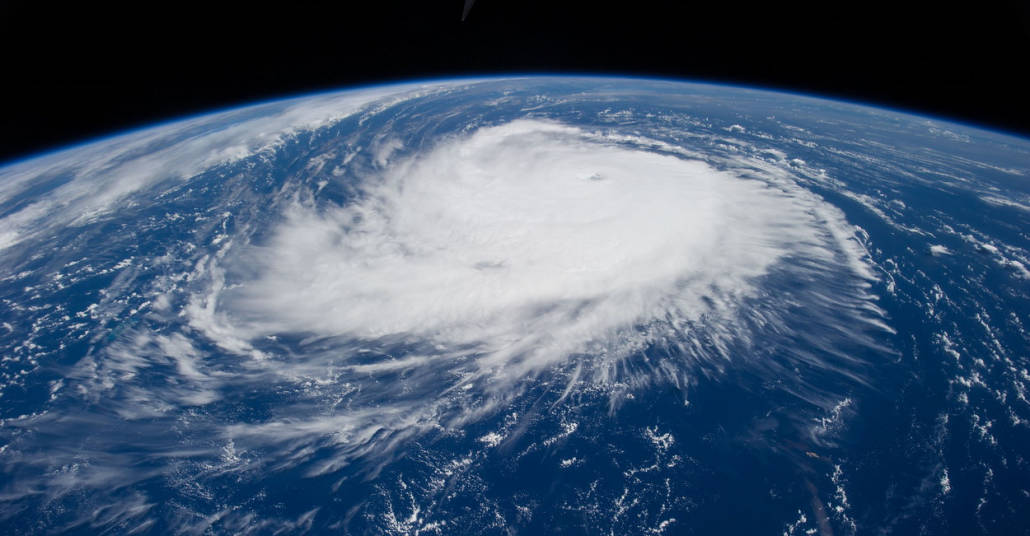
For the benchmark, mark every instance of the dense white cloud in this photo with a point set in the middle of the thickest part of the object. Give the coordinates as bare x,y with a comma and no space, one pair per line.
519,246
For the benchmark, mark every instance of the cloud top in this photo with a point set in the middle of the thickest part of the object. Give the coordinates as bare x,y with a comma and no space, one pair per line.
521,245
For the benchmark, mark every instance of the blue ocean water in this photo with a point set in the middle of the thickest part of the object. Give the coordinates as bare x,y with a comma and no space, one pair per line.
254,321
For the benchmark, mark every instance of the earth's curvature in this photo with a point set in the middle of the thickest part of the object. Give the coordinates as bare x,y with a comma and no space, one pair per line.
520,306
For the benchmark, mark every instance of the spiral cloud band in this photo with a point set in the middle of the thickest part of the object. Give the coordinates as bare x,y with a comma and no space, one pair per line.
521,245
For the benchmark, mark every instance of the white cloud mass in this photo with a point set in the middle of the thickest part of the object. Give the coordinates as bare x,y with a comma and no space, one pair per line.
518,247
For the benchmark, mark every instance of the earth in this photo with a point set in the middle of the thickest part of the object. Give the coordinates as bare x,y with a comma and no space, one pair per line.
520,306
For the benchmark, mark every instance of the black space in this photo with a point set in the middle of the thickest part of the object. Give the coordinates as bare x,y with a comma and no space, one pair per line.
75,72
